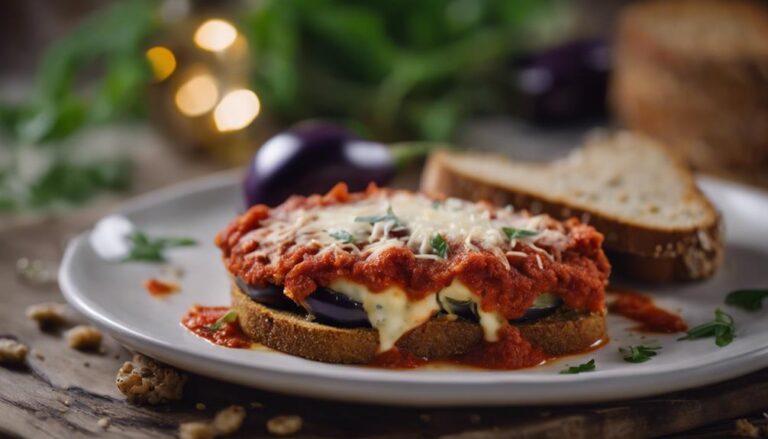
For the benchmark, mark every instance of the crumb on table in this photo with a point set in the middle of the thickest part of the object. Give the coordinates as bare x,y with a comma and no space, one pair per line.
285,425
84,338
195,430
146,381
12,351
47,315
228,420
744,428
103,423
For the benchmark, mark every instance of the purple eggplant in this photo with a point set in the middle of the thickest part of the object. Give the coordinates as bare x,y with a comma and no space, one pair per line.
312,157
563,84
270,295
336,309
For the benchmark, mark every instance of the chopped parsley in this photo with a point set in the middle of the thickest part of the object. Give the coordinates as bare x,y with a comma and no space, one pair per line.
440,245
343,236
229,317
373,219
436,204
721,328
589,366
748,299
144,248
638,354
513,233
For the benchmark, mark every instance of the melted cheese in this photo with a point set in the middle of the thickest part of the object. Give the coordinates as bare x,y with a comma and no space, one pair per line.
392,314
389,311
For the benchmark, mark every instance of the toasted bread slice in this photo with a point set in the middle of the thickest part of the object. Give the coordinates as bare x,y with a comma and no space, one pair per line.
562,333
658,225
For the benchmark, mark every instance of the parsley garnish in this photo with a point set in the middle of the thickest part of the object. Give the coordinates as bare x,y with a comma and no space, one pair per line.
144,248
373,219
229,317
435,204
639,354
751,300
513,233
343,236
589,366
440,245
721,328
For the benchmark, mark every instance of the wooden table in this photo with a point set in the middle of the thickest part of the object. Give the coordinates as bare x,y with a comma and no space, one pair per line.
64,393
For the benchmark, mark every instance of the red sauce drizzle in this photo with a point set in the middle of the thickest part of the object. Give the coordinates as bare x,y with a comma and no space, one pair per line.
397,359
511,351
641,309
159,288
199,318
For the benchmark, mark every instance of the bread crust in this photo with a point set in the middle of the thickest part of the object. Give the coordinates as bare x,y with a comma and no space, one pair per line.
563,333
675,254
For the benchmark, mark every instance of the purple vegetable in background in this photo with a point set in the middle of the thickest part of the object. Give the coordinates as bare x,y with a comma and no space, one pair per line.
311,157
563,84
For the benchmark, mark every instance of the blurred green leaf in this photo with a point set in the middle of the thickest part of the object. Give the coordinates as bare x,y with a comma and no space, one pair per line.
75,183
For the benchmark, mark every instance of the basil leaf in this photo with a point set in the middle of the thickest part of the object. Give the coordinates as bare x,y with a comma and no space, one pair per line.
144,248
748,299
722,328
343,236
373,219
440,245
638,354
229,317
589,366
513,233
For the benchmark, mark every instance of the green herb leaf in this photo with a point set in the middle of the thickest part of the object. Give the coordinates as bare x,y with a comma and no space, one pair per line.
513,233
440,245
229,317
343,236
589,366
722,328
639,354
373,219
144,248
436,204
749,299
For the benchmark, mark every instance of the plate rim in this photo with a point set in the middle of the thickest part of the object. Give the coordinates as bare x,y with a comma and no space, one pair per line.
724,367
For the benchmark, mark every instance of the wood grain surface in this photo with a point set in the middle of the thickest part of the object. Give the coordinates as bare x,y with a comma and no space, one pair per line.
62,393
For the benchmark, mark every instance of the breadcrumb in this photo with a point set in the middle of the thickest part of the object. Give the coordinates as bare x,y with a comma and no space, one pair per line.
229,420
84,338
103,423
200,406
195,430
12,351
284,425
744,428
146,381
47,315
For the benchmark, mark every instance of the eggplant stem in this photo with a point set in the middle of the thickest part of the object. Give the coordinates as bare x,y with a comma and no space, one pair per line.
406,153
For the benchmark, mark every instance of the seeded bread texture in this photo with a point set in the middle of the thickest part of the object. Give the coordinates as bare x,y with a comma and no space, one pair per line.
562,333
658,225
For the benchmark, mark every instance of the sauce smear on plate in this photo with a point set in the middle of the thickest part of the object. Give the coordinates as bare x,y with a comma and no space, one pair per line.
200,318
640,308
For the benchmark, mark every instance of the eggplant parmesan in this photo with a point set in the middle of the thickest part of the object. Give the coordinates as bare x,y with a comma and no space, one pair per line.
346,277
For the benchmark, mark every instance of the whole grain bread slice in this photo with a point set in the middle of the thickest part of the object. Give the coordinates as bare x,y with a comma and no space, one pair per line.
564,332
658,225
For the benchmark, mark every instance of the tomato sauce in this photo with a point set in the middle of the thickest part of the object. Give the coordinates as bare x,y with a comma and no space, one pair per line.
200,318
397,359
640,308
159,288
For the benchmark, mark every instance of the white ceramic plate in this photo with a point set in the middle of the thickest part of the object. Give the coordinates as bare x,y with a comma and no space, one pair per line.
112,296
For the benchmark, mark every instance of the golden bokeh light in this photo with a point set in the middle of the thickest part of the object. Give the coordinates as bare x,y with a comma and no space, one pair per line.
236,110
162,61
215,35
197,96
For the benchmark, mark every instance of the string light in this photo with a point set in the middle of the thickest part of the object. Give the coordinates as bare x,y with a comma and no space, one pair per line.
236,110
162,61
215,35
197,96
